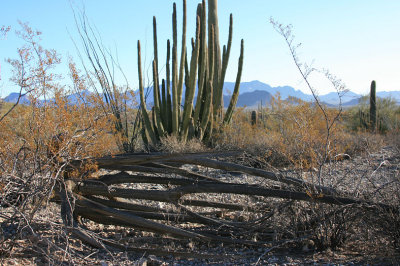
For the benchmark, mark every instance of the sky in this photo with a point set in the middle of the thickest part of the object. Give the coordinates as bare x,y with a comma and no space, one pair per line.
356,40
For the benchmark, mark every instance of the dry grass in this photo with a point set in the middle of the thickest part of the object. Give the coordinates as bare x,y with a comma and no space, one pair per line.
172,144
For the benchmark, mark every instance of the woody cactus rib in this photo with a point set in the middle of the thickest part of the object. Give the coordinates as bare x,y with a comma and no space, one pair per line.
203,70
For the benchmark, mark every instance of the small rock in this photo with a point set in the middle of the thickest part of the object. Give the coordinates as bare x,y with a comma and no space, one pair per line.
308,245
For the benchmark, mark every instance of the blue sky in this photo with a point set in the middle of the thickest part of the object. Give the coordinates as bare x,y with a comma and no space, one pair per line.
357,40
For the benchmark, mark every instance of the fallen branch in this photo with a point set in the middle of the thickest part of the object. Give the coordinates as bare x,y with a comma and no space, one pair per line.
173,195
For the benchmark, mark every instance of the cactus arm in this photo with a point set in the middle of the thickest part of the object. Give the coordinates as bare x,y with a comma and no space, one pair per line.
155,48
225,60
183,54
169,101
235,95
209,129
211,55
213,22
186,71
145,115
157,109
175,93
372,106
156,82
218,92
188,107
164,110
203,63
207,110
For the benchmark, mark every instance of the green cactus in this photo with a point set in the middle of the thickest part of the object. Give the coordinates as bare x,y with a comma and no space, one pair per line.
191,87
147,124
235,95
253,118
372,106
205,67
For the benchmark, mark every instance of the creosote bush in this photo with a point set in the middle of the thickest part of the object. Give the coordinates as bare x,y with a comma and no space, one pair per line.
291,134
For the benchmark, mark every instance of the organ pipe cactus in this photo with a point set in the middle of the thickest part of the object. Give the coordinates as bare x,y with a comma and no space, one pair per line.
204,70
372,106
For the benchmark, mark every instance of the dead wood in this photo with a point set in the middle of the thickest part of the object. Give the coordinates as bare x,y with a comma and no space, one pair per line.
211,204
143,158
134,220
173,195
124,177
117,199
251,171
121,203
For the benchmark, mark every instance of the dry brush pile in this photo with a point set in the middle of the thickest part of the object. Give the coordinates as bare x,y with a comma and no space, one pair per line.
186,198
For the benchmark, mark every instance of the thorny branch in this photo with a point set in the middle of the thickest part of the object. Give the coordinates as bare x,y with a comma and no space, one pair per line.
305,71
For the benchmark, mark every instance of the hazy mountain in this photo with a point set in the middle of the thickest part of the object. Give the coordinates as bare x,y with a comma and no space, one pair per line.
392,94
251,95
250,99
13,98
333,97
350,103
255,85
75,97
246,87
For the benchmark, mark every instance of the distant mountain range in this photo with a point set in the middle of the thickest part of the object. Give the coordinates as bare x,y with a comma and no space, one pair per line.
251,94
13,98
254,92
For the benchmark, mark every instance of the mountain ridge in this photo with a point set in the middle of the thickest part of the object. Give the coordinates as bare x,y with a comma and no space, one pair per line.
252,93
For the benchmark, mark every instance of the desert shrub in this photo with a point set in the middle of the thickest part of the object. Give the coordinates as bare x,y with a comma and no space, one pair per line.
388,115
38,141
302,128
362,142
240,134
291,134
393,139
172,144
327,226
385,222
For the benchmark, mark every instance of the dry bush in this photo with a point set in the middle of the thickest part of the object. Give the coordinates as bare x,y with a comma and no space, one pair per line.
327,226
385,187
172,144
393,139
362,142
39,140
291,134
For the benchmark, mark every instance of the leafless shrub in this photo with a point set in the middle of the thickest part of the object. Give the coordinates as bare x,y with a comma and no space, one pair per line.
172,144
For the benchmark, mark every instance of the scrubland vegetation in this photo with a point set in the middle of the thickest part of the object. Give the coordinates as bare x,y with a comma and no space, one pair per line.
334,172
